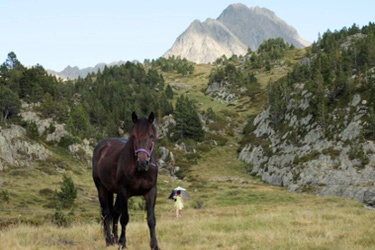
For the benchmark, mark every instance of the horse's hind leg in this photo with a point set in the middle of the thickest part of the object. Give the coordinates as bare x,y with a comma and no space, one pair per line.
106,200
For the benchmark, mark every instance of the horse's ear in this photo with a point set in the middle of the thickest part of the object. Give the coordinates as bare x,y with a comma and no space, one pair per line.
151,117
134,117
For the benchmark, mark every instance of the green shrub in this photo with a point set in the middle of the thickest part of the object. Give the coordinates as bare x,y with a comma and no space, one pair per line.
51,128
32,130
67,193
62,219
68,140
5,195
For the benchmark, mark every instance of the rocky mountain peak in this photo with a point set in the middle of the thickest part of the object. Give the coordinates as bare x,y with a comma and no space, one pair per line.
236,29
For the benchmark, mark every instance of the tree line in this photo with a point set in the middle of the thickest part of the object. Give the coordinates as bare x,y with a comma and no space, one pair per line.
99,105
337,66
238,71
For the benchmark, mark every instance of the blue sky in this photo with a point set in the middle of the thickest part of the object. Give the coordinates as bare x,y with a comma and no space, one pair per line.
82,33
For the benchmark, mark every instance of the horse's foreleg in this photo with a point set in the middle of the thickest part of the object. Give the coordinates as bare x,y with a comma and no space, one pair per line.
123,205
116,215
151,221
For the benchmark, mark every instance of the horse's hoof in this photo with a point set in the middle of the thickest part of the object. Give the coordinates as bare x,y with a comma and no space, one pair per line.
121,247
110,242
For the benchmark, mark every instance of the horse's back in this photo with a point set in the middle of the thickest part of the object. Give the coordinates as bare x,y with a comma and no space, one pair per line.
107,147
105,158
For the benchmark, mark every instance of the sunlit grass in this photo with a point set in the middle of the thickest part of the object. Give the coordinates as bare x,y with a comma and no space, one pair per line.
306,222
236,212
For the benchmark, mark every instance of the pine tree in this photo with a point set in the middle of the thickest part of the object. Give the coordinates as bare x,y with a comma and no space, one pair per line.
47,106
169,92
79,122
165,106
68,192
188,124
10,104
276,102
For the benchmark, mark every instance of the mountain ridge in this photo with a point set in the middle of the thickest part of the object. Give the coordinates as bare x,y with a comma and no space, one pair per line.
235,30
228,34
74,72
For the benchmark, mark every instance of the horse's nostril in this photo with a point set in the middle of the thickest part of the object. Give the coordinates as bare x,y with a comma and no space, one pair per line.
142,165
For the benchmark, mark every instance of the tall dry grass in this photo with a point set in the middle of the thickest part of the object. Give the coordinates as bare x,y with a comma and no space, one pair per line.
237,212
281,221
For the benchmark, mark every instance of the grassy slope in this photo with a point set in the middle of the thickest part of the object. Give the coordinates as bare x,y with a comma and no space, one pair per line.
238,211
235,215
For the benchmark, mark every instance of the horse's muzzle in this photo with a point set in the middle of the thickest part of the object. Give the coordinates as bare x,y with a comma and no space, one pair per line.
142,165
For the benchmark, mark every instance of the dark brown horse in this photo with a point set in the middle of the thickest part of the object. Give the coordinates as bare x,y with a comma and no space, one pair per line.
127,168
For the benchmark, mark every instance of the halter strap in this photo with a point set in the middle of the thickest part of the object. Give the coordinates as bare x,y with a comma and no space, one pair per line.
136,151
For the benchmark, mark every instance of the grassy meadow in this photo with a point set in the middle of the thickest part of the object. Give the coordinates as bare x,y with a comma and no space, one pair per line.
236,212
248,216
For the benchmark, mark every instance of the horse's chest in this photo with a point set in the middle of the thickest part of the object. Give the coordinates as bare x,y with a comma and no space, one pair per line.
142,184
138,185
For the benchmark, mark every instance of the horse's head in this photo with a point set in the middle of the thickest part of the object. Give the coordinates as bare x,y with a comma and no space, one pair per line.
144,139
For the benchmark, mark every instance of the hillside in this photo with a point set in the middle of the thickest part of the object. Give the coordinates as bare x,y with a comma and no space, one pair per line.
47,142
236,210
317,132
228,206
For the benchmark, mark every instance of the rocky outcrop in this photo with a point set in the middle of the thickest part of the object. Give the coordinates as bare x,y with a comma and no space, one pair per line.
82,151
28,114
342,164
221,91
166,162
16,150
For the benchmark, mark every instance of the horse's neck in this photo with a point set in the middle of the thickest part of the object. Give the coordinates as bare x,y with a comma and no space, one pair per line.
128,151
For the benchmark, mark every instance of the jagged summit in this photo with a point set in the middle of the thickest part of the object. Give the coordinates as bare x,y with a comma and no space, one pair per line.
235,30
200,39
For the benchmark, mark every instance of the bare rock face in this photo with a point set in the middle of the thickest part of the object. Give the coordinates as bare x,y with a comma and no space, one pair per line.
16,150
82,151
28,114
340,166
233,32
254,25
205,42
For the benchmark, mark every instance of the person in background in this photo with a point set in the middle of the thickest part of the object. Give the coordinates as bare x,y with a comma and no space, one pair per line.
178,203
